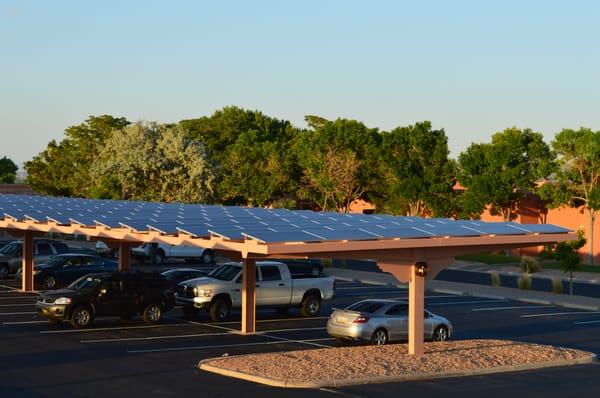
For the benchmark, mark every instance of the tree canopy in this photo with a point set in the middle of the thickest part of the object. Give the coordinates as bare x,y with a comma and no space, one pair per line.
8,171
418,173
499,173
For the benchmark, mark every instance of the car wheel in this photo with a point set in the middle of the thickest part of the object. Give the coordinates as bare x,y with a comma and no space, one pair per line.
208,257
4,271
152,313
49,282
379,337
190,312
82,317
219,310
311,306
160,256
441,334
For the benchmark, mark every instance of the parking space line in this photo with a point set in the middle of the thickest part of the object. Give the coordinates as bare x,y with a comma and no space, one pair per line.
276,320
182,336
227,345
512,308
17,298
468,302
585,322
10,288
23,322
111,328
298,341
560,313
18,313
16,305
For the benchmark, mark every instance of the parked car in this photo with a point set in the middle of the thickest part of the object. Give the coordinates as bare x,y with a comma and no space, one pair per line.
164,251
11,255
178,275
380,321
221,290
4,242
310,266
123,294
63,269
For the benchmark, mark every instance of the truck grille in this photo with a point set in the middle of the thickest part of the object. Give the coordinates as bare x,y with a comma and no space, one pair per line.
185,291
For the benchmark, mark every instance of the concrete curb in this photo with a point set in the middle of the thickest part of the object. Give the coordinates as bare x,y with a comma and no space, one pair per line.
387,379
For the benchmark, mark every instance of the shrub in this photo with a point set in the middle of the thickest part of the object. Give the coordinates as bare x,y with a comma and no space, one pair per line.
547,252
529,265
557,285
495,277
524,282
326,262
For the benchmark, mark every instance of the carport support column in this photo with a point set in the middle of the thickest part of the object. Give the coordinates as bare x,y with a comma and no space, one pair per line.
416,308
124,256
27,281
248,296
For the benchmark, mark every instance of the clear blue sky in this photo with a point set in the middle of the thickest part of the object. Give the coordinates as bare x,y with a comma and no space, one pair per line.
471,67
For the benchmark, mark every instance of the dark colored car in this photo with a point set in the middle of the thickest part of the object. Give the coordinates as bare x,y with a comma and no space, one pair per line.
177,275
123,294
61,270
4,242
299,267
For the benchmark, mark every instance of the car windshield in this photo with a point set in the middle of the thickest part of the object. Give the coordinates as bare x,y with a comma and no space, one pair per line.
85,282
11,248
368,307
226,272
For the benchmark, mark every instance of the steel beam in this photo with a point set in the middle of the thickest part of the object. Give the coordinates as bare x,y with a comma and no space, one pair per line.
124,256
416,308
249,296
27,274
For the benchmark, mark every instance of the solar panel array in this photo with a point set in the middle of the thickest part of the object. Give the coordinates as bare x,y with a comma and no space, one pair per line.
239,223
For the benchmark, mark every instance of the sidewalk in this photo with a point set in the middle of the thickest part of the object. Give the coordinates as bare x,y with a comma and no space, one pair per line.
474,290
515,270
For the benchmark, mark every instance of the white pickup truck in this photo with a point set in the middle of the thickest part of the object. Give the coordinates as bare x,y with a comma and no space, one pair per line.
221,290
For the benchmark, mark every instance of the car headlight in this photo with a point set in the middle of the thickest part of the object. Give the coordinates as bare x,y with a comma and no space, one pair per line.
202,292
63,300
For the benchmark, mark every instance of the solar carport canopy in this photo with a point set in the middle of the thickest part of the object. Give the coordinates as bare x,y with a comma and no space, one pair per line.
242,224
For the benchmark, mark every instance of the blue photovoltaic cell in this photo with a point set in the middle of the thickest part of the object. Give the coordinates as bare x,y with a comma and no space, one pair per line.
268,225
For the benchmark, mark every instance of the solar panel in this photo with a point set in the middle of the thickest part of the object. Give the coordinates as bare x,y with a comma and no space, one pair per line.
266,225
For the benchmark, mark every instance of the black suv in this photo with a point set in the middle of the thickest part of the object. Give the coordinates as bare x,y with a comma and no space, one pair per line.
114,293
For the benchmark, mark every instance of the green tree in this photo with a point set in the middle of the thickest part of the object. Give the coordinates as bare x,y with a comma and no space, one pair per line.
568,258
577,180
343,144
8,171
501,172
147,161
419,174
256,172
64,168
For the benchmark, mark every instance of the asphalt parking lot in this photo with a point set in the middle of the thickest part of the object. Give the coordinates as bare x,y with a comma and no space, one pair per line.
121,358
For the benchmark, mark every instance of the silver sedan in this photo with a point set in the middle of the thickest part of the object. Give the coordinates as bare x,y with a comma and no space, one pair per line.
382,321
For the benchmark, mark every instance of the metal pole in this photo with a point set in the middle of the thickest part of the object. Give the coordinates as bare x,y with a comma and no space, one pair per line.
249,296
27,281
124,256
416,308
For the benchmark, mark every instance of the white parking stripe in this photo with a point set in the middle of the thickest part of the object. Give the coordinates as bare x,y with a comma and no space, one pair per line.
18,298
17,313
10,288
23,323
16,305
227,345
112,328
182,336
298,341
467,302
585,323
275,320
560,313
512,308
